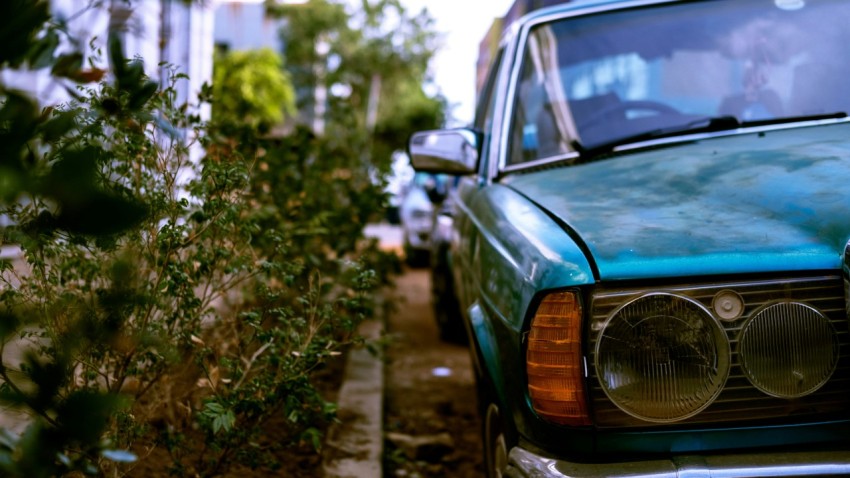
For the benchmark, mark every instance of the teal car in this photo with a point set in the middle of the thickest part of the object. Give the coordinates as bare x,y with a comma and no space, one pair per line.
650,240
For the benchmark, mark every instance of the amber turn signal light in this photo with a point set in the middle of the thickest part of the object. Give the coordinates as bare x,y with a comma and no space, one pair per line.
554,361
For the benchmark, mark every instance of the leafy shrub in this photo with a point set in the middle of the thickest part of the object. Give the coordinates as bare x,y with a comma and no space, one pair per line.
166,298
252,88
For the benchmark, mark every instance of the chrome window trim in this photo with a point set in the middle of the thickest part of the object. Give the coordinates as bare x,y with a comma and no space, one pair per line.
502,90
565,158
517,40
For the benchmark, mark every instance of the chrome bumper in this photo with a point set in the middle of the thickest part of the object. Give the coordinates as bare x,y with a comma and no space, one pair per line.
523,463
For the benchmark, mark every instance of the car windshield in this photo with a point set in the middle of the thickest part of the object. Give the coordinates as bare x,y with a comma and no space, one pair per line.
599,79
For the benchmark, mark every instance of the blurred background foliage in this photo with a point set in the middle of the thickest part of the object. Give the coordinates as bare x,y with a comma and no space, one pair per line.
252,87
375,64
164,308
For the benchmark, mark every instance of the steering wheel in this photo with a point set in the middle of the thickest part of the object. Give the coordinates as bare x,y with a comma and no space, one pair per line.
628,105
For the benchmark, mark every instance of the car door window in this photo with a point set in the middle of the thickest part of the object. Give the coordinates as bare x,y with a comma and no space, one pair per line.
485,114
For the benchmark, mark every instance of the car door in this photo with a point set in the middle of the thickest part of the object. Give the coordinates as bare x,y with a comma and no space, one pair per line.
465,242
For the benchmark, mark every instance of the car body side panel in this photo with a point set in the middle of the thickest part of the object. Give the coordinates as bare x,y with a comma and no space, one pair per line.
500,268
509,263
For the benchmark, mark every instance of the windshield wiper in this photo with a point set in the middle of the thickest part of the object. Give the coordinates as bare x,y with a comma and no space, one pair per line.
795,119
708,124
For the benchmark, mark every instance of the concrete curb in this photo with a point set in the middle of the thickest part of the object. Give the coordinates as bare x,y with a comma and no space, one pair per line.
355,445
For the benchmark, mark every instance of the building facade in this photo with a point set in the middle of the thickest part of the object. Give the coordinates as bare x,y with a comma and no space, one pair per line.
167,35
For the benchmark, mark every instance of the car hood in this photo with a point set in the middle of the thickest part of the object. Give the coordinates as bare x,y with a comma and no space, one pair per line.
768,201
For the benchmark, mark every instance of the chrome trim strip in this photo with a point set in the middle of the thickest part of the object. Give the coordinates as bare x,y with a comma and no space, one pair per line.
524,463
514,40
732,284
552,161
497,154
733,132
541,16
503,91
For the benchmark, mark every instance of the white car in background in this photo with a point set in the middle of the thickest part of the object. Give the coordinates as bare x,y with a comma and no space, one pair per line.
417,212
397,183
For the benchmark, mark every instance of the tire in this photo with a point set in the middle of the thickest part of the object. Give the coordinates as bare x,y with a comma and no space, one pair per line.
498,435
416,258
495,443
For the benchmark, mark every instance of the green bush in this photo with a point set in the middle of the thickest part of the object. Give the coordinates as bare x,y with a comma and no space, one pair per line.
163,299
251,87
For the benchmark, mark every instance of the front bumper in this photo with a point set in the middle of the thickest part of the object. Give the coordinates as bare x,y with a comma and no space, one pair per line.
523,463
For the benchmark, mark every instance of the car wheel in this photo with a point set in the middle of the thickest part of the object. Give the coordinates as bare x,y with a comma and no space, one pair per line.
495,444
449,320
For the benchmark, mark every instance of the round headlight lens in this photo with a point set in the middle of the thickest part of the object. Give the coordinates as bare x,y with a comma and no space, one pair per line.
662,358
788,350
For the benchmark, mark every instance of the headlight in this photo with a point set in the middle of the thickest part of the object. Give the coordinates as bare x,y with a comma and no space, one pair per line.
788,349
662,358
554,361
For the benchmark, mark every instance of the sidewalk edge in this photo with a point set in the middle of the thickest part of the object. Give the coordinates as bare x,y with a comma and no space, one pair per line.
355,444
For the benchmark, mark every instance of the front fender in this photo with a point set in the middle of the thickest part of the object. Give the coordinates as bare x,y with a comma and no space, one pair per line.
485,350
517,251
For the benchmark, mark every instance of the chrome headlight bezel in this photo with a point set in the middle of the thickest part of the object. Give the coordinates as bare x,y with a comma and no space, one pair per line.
662,333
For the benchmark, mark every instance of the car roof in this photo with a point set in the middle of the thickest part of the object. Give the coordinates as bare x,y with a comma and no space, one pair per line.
572,6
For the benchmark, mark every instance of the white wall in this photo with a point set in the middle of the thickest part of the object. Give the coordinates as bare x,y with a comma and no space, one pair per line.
186,43
244,26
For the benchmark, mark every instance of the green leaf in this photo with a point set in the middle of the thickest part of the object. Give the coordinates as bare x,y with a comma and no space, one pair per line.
9,322
68,65
37,450
59,126
41,53
222,419
20,22
6,461
99,214
84,415
140,97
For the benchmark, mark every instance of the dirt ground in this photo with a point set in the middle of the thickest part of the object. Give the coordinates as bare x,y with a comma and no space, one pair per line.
431,422
295,461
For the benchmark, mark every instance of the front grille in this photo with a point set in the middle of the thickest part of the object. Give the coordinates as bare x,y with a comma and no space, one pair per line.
739,401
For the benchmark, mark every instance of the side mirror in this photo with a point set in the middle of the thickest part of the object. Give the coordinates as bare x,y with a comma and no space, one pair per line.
451,151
